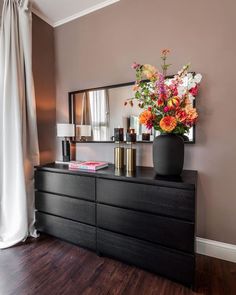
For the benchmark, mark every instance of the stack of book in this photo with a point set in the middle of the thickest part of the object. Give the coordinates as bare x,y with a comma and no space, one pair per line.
89,165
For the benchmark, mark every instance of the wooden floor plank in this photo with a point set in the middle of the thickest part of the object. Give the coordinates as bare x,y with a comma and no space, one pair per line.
50,266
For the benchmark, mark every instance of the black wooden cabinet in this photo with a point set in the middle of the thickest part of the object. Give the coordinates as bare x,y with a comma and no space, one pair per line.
66,206
143,219
162,230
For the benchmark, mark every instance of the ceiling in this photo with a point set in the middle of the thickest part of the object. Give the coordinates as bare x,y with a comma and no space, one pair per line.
58,12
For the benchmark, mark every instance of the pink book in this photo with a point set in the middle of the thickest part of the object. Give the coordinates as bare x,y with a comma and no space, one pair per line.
89,165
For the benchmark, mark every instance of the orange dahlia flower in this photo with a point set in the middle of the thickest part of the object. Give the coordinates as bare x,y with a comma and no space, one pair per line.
145,117
192,114
168,123
181,115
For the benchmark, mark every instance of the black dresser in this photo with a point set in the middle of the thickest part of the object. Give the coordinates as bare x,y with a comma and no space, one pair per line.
142,219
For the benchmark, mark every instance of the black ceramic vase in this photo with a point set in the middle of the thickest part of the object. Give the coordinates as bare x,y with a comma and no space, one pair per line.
168,154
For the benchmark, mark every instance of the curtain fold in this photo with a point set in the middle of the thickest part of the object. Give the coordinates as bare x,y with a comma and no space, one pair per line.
86,113
100,114
19,150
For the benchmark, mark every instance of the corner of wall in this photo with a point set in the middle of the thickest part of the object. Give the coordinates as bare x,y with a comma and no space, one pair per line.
45,87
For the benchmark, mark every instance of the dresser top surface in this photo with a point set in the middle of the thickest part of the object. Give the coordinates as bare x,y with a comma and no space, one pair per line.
187,180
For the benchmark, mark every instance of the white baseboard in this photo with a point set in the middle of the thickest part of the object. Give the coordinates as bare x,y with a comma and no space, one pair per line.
216,249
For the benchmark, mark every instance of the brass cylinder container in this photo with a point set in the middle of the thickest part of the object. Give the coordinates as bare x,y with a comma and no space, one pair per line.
119,157
130,159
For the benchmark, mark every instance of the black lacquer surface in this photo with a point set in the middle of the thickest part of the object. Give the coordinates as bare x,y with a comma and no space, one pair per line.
186,180
162,200
140,218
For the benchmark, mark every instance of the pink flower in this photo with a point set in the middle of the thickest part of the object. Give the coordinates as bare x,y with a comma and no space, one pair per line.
166,109
149,125
135,65
165,52
194,91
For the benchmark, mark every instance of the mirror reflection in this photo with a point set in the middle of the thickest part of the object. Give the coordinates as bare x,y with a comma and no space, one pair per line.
97,112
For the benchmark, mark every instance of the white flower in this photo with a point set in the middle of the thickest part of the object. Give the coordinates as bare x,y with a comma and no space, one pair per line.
191,85
198,78
181,90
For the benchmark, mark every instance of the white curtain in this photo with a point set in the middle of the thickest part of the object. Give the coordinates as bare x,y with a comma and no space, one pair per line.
18,130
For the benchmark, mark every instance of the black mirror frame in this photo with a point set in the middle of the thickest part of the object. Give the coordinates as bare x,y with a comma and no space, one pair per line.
72,109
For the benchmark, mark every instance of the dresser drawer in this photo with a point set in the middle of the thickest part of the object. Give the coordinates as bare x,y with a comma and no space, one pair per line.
173,202
66,184
166,231
68,230
71,208
173,264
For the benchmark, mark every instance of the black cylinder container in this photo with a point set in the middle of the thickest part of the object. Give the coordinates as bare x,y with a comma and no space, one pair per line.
168,154
66,150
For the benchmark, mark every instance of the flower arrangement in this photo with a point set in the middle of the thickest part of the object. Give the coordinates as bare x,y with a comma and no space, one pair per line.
167,103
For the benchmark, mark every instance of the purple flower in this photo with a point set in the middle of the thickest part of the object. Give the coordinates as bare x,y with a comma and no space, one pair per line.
160,85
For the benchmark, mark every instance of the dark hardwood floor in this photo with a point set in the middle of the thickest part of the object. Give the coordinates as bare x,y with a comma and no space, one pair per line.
50,266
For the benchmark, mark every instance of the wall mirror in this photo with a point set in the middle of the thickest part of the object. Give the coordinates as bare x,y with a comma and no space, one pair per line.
96,112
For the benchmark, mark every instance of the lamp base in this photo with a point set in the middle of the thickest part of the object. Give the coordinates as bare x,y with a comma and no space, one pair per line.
66,150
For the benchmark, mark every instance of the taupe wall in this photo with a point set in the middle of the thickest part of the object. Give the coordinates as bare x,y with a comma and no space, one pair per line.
98,49
45,91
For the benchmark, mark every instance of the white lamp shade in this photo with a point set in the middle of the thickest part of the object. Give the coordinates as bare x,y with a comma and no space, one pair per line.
84,130
65,130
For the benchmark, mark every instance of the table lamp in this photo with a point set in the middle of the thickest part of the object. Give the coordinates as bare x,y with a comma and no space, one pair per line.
66,131
84,132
